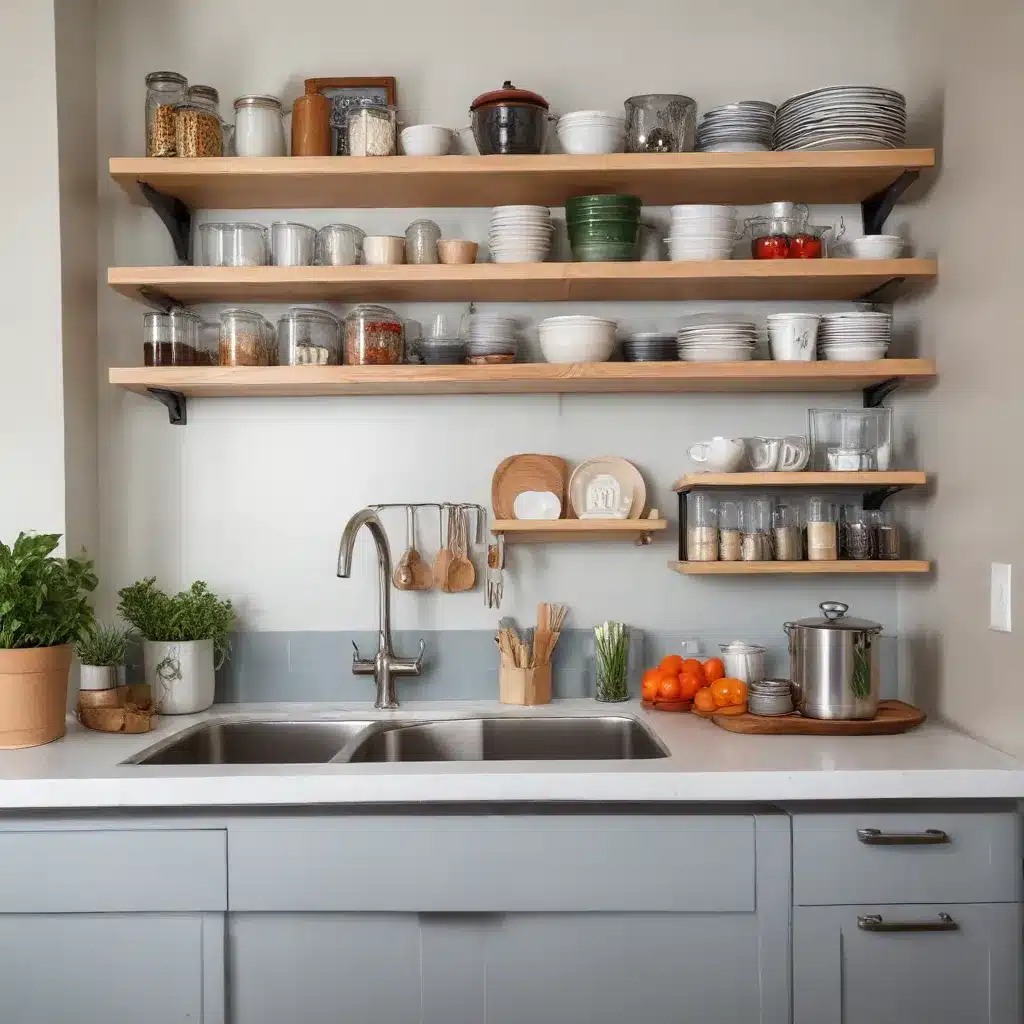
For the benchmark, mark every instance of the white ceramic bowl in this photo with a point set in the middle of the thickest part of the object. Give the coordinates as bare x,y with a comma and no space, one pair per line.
876,247
699,354
592,136
855,352
576,339
381,250
426,140
793,337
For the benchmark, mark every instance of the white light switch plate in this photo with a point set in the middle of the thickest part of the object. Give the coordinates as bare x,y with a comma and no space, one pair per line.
999,613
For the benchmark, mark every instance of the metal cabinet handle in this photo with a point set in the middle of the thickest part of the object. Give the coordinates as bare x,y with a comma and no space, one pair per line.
875,923
876,837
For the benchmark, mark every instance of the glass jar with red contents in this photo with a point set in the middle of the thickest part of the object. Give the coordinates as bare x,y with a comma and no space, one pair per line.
772,236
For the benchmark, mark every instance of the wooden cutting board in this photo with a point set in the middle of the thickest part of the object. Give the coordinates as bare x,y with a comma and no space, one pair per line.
520,473
893,717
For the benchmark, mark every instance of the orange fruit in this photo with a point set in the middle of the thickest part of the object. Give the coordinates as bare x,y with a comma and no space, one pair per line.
721,690
651,673
703,699
737,692
689,684
649,687
669,688
692,665
714,668
671,664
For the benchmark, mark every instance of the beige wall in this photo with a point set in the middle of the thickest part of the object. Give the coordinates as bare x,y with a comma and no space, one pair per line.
968,428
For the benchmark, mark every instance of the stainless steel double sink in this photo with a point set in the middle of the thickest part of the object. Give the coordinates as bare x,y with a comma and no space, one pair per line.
495,738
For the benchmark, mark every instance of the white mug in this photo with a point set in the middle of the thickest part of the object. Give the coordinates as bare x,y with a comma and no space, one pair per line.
719,455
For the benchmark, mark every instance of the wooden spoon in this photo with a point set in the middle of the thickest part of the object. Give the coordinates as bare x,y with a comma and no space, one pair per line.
403,574
422,577
444,557
461,573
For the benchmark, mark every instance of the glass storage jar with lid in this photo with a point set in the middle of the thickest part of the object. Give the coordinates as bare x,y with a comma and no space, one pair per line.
172,338
197,131
164,91
259,126
246,339
374,336
371,128
309,337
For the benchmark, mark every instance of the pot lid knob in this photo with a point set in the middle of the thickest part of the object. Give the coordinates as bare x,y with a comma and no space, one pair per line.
833,610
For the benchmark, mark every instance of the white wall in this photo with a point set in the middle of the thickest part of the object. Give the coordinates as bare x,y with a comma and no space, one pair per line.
31,416
252,495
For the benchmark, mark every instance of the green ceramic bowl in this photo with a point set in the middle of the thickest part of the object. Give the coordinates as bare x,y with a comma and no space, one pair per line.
604,252
578,205
622,231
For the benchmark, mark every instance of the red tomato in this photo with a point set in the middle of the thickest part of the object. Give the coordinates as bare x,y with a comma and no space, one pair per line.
770,247
805,247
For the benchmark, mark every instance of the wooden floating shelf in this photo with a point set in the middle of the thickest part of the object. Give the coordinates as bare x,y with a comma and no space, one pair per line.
548,180
798,568
529,282
700,481
522,378
545,531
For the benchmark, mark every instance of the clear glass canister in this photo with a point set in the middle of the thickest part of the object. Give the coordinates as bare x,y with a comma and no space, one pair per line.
756,543
612,668
197,131
232,245
246,339
787,534
259,126
172,339
339,245
374,336
702,528
661,123
371,129
291,244
822,531
887,534
309,337
164,91
729,534
421,238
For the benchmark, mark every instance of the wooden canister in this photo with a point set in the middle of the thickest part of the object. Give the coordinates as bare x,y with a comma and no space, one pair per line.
311,124
524,685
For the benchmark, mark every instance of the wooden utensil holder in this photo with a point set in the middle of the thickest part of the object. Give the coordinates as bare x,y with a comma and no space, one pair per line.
524,686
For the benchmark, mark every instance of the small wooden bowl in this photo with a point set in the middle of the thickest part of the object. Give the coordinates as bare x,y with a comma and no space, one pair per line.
668,705
456,250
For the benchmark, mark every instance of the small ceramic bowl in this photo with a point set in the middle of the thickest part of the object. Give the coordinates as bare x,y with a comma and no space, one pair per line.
381,250
426,140
457,250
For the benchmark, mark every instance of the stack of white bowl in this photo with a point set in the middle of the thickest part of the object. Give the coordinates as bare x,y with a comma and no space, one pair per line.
876,247
793,337
520,234
577,339
592,131
717,341
489,336
702,232
857,336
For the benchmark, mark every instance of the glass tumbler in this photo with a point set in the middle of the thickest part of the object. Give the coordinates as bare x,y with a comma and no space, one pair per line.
612,661
702,528
822,531
660,123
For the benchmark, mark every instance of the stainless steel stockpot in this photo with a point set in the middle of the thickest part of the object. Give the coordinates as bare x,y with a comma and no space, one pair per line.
833,663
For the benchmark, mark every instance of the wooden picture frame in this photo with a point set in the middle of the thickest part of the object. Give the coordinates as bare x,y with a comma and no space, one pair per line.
342,91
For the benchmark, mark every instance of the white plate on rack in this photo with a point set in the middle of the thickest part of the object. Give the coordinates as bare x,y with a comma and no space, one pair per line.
629,478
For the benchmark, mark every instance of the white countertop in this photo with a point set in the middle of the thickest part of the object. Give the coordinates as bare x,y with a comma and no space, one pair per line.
706,764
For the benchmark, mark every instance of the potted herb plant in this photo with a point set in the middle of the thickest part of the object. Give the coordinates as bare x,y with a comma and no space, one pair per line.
185,639
43,611
102,652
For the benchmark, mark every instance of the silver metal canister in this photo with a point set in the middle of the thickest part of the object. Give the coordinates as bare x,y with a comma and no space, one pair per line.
834,664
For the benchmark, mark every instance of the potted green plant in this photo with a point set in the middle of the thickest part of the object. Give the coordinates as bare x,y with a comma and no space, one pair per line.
43,611
185,639
102,652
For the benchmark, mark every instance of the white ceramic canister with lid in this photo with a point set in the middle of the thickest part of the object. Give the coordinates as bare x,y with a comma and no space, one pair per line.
259,126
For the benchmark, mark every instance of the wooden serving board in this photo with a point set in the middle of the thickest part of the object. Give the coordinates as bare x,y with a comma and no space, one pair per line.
893,717
520,473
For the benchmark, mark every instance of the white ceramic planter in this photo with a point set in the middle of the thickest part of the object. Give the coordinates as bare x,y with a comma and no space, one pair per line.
98,677
180,675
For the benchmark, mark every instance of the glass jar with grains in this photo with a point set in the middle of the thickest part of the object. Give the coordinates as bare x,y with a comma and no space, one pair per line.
197,132
702,528
374,336
164,91
371,129
246,339
173,339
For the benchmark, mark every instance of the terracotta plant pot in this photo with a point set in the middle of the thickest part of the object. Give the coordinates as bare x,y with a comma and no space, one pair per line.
33,695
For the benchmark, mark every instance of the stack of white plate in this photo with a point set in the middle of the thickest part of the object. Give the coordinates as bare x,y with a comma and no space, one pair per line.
520,234
592,131
488,334
717,341
857,336
744,127
702,232
842,117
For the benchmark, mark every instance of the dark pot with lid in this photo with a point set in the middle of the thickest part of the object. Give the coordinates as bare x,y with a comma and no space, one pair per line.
834,664
509,120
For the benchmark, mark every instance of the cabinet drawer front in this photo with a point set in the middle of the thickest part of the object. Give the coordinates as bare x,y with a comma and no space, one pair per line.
461,863
110,871
905,857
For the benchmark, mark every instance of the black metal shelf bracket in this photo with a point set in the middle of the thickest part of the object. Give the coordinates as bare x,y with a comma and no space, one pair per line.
177,218
158,299
874,500
876,209
876,394
177,412
876,294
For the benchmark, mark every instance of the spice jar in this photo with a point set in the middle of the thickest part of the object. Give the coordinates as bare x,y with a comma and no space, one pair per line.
172,339
787,534
311,124
371,128
292,245
887,534
702,528
374,336
197,131
421,238
246,339
309,337
164,91
822,531
259,126
756,528
729,533
339,245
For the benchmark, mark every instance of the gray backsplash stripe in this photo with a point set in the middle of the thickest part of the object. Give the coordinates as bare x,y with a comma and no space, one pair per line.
459,664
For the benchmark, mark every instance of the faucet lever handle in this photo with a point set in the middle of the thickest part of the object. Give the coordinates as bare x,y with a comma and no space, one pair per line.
409,667
361,666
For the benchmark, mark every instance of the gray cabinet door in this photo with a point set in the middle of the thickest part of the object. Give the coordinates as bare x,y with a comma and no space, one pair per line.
844,974
112,968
